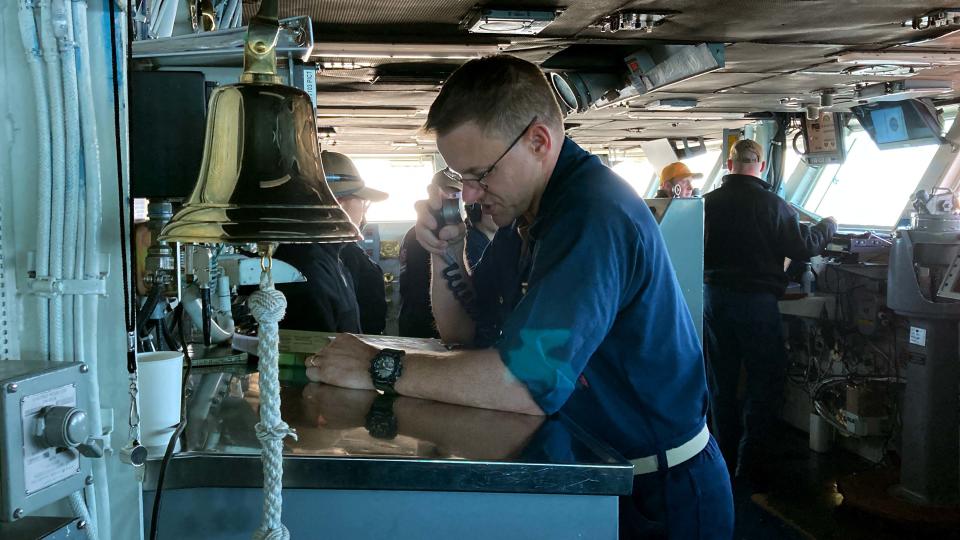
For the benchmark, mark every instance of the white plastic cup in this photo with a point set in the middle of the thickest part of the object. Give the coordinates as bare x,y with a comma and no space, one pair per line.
159,378
821,434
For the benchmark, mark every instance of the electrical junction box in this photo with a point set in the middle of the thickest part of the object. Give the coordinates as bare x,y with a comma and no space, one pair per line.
863,426
43,429
864,412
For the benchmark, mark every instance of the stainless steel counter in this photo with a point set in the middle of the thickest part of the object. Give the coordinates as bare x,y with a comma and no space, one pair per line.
347,440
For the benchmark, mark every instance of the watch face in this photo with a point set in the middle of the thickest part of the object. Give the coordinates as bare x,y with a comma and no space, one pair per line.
385,367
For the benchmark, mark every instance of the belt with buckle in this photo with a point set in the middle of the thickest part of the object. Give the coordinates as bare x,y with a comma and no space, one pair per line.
675,456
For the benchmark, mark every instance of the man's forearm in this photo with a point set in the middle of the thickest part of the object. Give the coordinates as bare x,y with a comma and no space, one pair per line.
476,378
453,322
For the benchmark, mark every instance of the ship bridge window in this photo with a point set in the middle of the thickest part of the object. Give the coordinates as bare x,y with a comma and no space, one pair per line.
872,187
703,164
638,172
404,179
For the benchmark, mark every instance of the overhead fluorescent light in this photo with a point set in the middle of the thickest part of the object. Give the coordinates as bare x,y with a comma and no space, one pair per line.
404,144
901,57
346,65
404,51
634,114
883,70
366,112
671,104
509,21
897,90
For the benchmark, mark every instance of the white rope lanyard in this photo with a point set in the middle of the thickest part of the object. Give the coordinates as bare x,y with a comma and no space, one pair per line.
268,306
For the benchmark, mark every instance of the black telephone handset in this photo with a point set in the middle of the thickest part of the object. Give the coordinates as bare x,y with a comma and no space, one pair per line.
451,213
448,213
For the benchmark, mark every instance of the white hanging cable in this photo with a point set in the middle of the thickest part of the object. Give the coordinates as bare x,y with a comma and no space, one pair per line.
237,17
28,32
79,508
267,306
153,19
50,125
92,216
51,58
63,25
72,305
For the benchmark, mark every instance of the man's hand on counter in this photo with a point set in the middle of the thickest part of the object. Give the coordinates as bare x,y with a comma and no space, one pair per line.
345,363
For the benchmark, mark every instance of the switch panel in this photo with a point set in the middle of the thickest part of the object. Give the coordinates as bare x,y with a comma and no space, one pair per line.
44,434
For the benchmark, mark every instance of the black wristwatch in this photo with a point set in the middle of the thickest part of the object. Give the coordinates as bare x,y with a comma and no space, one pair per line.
381,423
385,368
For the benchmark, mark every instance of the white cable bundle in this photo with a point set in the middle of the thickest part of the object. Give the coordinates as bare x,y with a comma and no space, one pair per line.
69,207
268,306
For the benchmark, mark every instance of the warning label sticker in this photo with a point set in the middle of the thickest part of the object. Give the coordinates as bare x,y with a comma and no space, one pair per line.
918,336
44,466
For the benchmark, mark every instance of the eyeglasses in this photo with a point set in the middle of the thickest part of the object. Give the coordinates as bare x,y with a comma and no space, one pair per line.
457,177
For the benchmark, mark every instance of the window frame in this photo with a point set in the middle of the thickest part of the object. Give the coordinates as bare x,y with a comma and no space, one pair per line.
803,183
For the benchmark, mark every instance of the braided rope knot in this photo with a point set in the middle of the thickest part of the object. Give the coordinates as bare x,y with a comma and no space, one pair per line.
267,306
276,432
280,533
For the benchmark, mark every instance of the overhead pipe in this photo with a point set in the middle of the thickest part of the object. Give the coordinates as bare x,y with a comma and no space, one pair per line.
51,57
31,44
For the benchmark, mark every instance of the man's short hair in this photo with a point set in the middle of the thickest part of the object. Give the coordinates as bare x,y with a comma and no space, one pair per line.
746,151
500,93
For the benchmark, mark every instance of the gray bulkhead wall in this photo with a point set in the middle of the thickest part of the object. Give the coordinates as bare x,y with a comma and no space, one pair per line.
18,192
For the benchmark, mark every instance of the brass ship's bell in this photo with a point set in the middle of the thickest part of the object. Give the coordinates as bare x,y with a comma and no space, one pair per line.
261,179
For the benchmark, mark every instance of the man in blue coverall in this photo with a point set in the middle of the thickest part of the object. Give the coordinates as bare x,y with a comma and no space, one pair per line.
579,302
748,231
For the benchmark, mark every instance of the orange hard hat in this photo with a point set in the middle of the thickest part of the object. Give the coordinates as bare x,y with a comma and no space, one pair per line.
677,169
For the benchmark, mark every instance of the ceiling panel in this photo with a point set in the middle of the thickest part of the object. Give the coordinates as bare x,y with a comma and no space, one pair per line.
800,83
375,98
712,82
797,21
775,50
767,58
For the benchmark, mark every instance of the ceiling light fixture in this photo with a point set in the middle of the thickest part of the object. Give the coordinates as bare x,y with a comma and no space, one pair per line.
883,70
346,65
897,90
671,104
900,57
509,21
934,19
366,112
404,51
693,115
